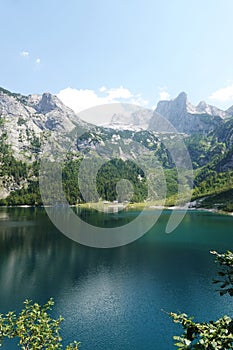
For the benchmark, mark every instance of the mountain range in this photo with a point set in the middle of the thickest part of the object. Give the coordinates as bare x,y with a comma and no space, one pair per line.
183,116
27,122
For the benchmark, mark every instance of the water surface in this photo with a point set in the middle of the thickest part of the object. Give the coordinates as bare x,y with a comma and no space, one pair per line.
113,298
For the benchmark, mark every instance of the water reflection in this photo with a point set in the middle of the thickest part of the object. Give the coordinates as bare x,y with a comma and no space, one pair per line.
112,298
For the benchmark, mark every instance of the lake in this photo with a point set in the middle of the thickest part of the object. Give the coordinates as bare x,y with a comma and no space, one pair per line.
113,298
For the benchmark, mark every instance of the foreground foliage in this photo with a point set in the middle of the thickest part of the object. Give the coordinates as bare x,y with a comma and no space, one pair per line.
213,335
33,328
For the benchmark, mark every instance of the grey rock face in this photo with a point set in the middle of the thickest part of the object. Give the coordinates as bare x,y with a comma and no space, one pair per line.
28,120
229,111
178,114
47,103
204,108
185,117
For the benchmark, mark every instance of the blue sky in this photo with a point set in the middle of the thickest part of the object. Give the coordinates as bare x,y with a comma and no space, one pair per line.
91,52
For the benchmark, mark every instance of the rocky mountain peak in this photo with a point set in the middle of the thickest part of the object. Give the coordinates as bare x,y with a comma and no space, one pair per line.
205,108
28,120
182,97
176,107
229,111
202,105
184,116
45,103
187,118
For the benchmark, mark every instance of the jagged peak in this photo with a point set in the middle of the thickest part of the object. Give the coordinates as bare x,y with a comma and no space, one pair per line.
182,96
46,103
204,107
230,110
202,104
180,103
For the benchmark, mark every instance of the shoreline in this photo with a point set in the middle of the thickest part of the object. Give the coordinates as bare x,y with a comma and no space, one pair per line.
130,206
151,206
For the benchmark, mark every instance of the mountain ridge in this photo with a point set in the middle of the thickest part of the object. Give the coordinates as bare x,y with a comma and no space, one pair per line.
183,116
26,122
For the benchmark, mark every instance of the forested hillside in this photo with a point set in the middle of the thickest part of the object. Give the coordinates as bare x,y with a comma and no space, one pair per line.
26,122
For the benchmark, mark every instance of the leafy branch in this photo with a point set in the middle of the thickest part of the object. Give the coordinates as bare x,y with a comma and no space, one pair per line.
212,335
34,328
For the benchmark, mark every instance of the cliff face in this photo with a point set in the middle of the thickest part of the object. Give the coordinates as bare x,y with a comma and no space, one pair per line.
187,118
177,114
25,121
229,111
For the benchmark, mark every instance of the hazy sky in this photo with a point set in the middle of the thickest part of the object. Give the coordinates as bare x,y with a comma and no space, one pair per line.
97,51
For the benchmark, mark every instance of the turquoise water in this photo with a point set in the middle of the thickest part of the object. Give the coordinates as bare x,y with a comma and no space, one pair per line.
113,298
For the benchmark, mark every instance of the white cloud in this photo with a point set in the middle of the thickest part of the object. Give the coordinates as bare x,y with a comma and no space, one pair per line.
24,53
164,95
37,61
119,93
103,89
223,95
82,99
